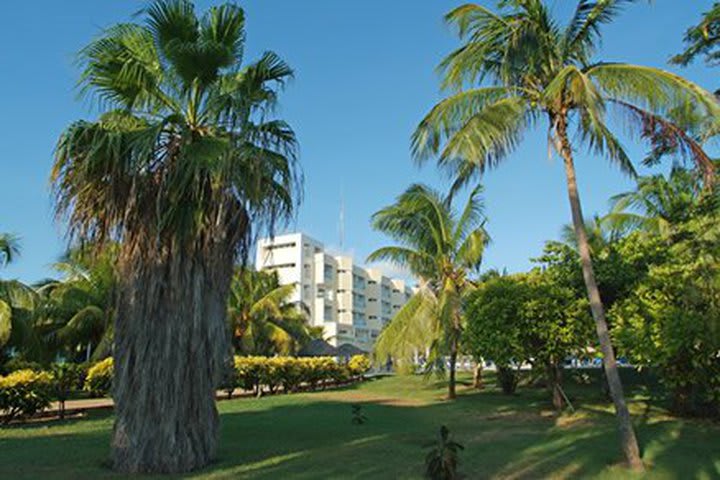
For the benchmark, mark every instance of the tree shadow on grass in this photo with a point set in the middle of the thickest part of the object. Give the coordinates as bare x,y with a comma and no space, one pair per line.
311,436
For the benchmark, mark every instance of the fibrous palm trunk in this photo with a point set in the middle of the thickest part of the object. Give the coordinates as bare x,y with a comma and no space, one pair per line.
171,340
627,433
453,367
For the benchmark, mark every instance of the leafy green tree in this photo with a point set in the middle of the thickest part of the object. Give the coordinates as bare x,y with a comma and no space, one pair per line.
527,318
186,164
671,322
521,67
494,329
263,320
441,247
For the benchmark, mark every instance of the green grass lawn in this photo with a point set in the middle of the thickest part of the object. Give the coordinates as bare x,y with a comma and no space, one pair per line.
310,436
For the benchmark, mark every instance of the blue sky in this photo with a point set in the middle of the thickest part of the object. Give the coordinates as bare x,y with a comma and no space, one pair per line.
364,78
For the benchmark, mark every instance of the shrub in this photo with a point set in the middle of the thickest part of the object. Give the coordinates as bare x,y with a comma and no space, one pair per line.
24,393
250,372
254,373
359,365
65,379
99,378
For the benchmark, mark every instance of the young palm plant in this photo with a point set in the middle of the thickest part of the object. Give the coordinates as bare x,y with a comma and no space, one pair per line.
519,66
183,168
441,248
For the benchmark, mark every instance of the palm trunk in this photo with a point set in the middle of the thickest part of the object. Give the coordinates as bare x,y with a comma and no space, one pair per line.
627,433
171,340
453,360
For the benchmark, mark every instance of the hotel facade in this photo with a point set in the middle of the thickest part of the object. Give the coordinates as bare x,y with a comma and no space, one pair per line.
350,302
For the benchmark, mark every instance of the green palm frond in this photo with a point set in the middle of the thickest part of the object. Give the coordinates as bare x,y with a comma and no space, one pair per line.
583,31
9,248
187,146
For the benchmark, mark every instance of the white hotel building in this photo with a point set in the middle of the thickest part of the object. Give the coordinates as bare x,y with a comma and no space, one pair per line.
350,302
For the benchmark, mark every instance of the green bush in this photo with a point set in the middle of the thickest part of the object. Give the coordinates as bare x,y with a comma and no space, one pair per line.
99,378
24,393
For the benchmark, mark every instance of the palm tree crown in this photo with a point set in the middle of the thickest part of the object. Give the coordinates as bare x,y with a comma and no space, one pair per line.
187,148
529,67
263,319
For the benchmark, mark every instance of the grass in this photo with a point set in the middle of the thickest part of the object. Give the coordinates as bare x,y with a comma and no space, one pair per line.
311,436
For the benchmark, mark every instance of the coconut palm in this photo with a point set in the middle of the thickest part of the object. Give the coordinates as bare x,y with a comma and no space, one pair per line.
441,247
658,203
9,248
184,167
17,305
76,315
263,319
518,67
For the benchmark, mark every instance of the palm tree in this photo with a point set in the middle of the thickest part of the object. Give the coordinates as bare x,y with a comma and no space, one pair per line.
18,303
518,67
441,248
77,311
9,248
263,320
659,203
184,168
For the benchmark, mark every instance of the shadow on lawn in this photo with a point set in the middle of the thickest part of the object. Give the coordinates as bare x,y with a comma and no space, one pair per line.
312,437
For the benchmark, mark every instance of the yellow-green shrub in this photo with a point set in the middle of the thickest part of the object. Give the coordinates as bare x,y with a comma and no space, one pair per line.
99,378
253,373
24,393
359,365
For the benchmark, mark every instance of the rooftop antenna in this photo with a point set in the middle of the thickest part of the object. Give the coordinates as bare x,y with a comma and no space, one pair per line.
341,225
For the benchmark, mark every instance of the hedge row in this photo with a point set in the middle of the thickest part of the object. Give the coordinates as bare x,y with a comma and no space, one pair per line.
26,392
290,373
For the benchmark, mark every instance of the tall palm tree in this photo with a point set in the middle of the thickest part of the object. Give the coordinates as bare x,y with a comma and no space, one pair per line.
263,319
519,66
9,248
441,247
184,168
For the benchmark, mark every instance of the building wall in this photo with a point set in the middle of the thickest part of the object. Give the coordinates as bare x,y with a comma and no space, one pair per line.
351,303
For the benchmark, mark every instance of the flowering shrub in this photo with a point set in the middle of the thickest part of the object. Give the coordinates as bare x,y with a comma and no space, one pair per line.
254,373
24,393
99,378
359,365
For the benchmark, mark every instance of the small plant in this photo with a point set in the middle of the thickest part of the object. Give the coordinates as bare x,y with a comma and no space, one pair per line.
442,460
358,417
65,380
